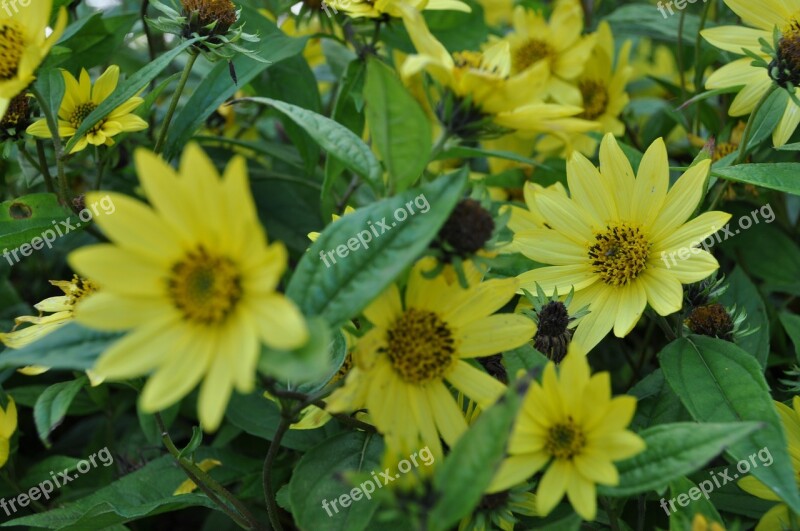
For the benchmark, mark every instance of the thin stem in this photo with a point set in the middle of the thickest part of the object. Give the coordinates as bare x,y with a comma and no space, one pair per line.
681,66
698,69
749,128
52,124
101,167
665,327
48,179
209,486
613,522
269,494
187,70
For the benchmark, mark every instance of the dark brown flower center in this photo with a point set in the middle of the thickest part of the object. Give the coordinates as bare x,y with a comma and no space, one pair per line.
12,47
619,254
420,346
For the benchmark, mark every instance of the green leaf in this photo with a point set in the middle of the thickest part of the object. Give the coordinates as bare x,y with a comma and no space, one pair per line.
781,176
524,358
767,118
680,520
399,127
343,288
308,363
466,152
52,86
657,403
743,294
92,41
791,323
461,480
52,406
70,347
217,86
336,139
674,450
26,218
194,443
733,390
319,478
645,21
126,90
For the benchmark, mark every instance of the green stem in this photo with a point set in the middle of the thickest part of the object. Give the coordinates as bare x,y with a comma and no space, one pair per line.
209,486
269,494
698,69
613,522
48,179
187,70
52,124
681,67
749,128
438,147
101,167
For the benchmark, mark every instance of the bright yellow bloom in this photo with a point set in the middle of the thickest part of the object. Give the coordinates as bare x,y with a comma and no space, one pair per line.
617,239
700,523
557,45
8,425
484,80
778,517
497,12
25,45
379,8
763,17
603,94
80,99
402,363
190,486
570,425
194,279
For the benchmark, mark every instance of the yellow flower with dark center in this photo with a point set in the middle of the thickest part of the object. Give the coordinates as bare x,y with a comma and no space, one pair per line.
16,118
25,44
403,362
80,100
621,241
210,17
557,45
194,280
779,516
8,425
570,425
762,17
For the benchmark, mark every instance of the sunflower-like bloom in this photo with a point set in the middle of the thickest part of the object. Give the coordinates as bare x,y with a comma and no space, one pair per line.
603,94
621,241
25,44
194,279
402,363
571,425
8,425
80,99
394,8
763,17
483,87
557,45
779,516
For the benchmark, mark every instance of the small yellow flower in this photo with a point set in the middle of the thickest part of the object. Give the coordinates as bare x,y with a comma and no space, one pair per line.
25,44
193,279
348,210
8,425
379,8
570,425
190,486
700,523
80,99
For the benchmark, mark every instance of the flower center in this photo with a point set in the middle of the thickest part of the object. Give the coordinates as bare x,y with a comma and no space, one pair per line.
80,113
205,288
785,69
18,113
467,230
531,52
553,335
595,99
80,288
565,440
711,320
12,46
619,254
223,12
723,149
420,346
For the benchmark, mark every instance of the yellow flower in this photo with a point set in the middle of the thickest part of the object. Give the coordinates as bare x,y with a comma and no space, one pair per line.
778,517
402,363
571,425
194,279
80,99
763,17
190,486
8,425
557,45
497,12
25,45
603,95
484,80
621,241
379,8
700,523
